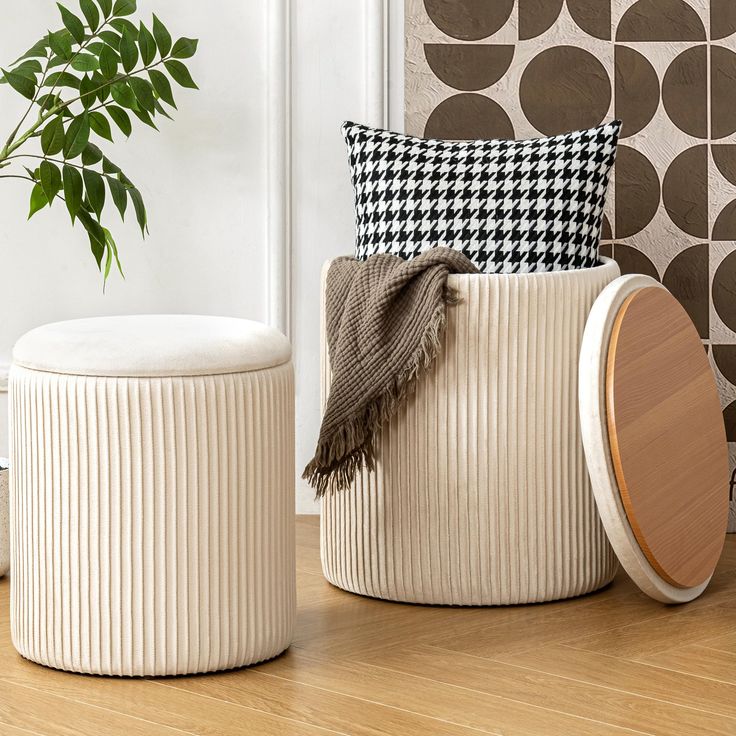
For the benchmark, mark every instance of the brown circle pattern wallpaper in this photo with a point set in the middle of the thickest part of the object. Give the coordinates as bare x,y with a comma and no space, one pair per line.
666,68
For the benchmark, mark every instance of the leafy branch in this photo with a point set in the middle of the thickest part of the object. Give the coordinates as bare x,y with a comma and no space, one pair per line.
85,78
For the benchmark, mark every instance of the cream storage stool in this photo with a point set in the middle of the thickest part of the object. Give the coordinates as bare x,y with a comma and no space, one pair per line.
480,495
152,494
566,409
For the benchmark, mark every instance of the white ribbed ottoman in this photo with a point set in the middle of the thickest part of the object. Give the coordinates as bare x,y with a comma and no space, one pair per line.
152,494
480,495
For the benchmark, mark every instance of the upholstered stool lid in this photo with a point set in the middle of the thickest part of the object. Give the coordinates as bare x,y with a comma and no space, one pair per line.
654,438
152,345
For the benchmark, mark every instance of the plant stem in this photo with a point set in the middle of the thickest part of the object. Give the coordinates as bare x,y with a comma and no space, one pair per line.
16,176
110,82
11,144
62,163
43,117
82,47
11,137
10,147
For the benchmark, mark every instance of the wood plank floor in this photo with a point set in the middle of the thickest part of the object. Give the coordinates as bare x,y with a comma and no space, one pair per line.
613,662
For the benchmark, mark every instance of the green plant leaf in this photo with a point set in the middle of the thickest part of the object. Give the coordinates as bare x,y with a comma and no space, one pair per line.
52,137
106,7
128,51
111,38
29,68
50,180
119,195
123,24
144,117
95,232
184,48
123,95
112,246
161,110
73,189
95,47
101,85
62,79
140,210
90,12
100,125
180,74
120,118
162,36
143,92
147,45
108,263
20,84
91,155
124,7
85,63
73,24
61,44
23,71
95,187
162,86
46,102
108,167
77,137
37,50
38,200
87,91
109,61
55,61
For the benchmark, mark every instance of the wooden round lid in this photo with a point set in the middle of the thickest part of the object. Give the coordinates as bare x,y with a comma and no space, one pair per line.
659,422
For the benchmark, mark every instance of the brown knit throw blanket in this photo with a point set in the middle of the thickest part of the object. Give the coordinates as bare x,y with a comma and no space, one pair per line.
385,320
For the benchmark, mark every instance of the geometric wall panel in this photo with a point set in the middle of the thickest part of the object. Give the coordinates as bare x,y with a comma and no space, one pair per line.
665,68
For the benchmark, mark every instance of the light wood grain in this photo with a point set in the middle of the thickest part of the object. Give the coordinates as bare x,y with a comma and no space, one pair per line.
697,660
614,662
667,437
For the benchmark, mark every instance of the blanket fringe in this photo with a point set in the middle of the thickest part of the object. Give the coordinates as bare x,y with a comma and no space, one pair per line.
350,447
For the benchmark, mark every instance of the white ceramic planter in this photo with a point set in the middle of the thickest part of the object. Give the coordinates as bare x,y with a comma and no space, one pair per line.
481,494
4,523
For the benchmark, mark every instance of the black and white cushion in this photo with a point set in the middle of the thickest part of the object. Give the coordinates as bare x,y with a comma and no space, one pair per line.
510,206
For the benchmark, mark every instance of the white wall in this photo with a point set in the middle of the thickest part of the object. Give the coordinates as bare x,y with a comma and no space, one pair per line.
339,69
202,178
206,179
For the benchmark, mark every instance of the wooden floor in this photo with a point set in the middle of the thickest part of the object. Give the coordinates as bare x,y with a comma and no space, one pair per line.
613,662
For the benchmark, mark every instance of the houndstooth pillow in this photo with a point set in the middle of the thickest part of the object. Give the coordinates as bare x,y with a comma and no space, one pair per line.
510,206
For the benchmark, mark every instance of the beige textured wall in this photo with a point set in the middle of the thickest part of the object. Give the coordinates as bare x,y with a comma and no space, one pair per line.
666,68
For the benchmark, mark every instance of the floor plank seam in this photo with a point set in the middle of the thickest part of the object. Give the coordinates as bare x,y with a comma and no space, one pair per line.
382,705
248,707
686,672
615,689
96,707
666,614
23,729
623,729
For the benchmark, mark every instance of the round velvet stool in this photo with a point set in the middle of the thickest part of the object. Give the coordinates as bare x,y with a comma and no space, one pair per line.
480,494
152,494
571,421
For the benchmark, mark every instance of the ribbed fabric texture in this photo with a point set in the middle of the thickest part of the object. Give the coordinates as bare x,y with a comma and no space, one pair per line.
481,494
152,520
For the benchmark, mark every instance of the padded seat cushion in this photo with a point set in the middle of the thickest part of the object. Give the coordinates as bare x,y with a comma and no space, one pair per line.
152,345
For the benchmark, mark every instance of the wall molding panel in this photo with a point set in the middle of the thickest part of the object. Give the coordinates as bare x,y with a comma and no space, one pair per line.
278,144
376,66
